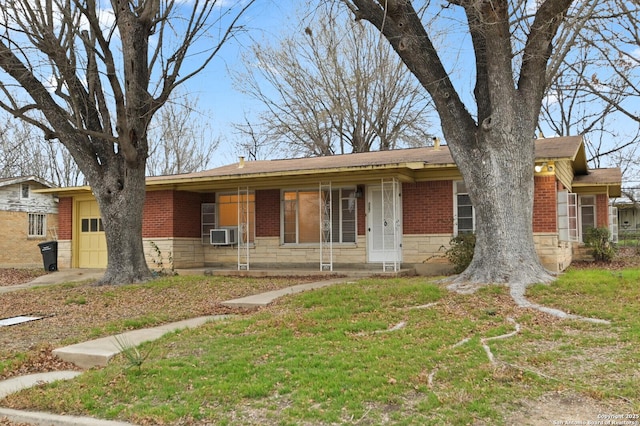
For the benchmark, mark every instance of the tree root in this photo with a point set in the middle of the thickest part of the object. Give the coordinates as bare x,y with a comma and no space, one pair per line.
461,342
430,378
517,291
396,327
517,294
484,340
428,305
492,359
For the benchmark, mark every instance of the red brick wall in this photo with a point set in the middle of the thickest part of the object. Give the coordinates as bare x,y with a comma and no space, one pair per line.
545,204
65,209
427,207
602,210
187,214
158,214
268,213
171,214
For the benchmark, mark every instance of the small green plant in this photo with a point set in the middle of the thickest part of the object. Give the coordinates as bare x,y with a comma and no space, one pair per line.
131,353
602,249
158,259
76,300
460,251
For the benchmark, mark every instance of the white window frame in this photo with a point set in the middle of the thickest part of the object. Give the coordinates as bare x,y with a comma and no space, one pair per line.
252,210
340,218
567,216
459,188
613,224
37,225
581,204
208,221
212,221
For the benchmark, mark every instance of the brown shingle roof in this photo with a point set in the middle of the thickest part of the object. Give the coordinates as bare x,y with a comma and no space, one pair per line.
565,148
612,178
376,159
599,177
395,161
546,149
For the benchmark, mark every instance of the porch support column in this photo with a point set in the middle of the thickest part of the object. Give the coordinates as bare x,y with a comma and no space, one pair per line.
326,226
244,218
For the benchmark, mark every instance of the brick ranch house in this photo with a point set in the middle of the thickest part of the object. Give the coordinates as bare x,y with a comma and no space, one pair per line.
380,210
27,218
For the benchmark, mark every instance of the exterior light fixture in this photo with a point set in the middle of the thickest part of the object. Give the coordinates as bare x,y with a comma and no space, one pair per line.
540,167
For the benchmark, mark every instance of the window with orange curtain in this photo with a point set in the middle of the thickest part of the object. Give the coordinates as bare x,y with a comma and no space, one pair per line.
230,206
301,216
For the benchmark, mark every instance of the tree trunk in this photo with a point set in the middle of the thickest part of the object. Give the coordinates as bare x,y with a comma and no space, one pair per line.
499,176
493,147
121,200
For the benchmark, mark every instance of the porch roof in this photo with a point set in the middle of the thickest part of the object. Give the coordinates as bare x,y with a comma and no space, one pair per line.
610,178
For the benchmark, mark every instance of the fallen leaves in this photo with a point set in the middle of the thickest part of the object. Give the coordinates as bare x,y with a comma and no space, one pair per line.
39,360
12,276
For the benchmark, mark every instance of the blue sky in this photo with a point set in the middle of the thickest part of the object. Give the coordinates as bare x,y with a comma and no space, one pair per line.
266,20
223,103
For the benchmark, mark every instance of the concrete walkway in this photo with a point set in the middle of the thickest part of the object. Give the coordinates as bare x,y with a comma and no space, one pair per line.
98,352
264,299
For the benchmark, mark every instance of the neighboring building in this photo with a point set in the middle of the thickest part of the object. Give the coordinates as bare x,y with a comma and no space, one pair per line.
379,210
628,215
27,218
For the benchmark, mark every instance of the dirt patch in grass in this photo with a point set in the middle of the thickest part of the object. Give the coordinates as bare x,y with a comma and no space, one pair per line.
562,408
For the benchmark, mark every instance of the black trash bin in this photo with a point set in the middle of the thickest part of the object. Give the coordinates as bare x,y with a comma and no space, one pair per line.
49,252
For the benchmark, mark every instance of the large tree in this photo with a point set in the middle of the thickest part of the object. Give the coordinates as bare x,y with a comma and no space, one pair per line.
329,88
92,74
517,46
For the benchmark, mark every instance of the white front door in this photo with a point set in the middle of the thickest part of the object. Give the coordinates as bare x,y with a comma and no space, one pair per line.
384,223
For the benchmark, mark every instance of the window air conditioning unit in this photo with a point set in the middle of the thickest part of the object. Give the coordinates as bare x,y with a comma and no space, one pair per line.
224,236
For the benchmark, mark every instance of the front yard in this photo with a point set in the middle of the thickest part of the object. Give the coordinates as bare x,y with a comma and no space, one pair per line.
377,351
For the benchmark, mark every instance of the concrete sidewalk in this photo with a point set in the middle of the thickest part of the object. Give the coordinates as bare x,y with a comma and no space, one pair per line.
264,299
98,352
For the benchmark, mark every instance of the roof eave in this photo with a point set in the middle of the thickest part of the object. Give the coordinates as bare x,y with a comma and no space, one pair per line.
23,179
613,189
408,166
